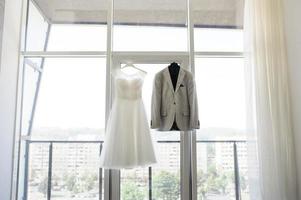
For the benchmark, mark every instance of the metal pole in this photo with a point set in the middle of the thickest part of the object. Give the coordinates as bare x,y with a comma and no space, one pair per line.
100,175
49,172
26,155
190,34
236,173
25,184
112,177
150,183
191,134
185,166
26,26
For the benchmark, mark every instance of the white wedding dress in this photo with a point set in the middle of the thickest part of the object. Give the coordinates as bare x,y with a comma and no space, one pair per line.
128,142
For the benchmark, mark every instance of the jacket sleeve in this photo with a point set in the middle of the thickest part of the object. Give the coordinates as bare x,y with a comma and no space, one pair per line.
193,104
156,103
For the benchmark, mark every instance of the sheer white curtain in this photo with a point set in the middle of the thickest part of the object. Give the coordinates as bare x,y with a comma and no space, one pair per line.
271,145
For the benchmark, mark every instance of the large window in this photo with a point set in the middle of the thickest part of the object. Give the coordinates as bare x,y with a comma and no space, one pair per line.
69,49
222,112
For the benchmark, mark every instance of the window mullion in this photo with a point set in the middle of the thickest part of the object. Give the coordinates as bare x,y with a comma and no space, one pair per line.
112,177
190,148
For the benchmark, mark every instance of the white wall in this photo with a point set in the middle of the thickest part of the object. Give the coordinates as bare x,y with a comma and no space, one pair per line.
293,37
8,88
1,22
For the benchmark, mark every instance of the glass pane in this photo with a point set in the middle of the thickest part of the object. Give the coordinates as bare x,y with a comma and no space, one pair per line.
222,111
166,179
220,40
36,29
150,26
38,171
221,96
75,171
166,173
215,171
75,26
218,14
218,25
31,75
134,184
74,12
78,38
71,103
149,38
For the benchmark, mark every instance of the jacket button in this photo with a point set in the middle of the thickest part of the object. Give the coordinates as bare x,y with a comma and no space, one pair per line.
174,103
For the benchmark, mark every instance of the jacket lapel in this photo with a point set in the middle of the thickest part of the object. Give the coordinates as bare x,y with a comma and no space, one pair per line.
180,78
168,78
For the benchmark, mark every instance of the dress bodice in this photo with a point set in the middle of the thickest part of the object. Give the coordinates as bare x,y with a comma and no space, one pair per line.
128,86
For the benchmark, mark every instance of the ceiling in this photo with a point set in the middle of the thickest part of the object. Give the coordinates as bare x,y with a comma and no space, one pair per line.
206,13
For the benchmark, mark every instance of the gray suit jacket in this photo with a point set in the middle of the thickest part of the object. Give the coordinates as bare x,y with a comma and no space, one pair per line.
179,104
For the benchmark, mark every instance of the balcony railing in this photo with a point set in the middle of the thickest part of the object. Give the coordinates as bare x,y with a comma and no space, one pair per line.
50,158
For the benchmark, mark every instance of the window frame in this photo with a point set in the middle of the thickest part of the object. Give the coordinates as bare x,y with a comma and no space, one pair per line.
114,59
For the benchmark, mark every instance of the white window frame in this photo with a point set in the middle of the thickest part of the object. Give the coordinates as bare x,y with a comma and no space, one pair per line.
114,59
